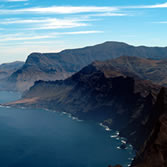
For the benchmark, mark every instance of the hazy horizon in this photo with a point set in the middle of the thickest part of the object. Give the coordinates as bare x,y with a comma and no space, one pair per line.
28,26
23,60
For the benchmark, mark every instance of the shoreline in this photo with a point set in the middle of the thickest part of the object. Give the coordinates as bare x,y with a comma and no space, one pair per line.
116,135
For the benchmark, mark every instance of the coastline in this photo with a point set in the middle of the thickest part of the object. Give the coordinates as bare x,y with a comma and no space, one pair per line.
115,135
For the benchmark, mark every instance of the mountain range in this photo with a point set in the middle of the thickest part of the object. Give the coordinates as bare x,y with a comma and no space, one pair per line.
57,66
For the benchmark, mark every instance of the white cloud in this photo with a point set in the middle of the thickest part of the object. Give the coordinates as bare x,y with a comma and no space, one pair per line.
21,38
76,9
47,23
59,10
107,14
69,9
42,20
57,26
162,5
32,37
43,23
80,32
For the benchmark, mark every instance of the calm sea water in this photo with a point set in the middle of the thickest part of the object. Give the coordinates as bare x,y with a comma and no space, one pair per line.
39,138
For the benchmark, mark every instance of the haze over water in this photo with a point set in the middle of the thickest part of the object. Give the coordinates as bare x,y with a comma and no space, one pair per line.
38,138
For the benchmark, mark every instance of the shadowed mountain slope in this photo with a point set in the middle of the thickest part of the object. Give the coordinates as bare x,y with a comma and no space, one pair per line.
7,69
154,151
98,92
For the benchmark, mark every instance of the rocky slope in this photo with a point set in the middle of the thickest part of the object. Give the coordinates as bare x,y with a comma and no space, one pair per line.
102,93
146,69
53,66
7,69
154,151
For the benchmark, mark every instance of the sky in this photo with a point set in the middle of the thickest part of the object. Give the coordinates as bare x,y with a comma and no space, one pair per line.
28,26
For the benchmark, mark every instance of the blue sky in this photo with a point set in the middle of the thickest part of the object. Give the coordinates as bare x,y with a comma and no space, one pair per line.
52,25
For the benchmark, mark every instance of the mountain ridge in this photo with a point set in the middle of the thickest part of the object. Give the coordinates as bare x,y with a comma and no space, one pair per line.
6,69
61,65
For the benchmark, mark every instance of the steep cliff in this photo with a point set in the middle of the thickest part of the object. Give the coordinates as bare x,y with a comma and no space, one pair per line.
102,93
154,151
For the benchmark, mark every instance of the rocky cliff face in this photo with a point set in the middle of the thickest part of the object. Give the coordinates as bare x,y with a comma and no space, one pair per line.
55,66
102,93
137,67
7,69
154,151
37,67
